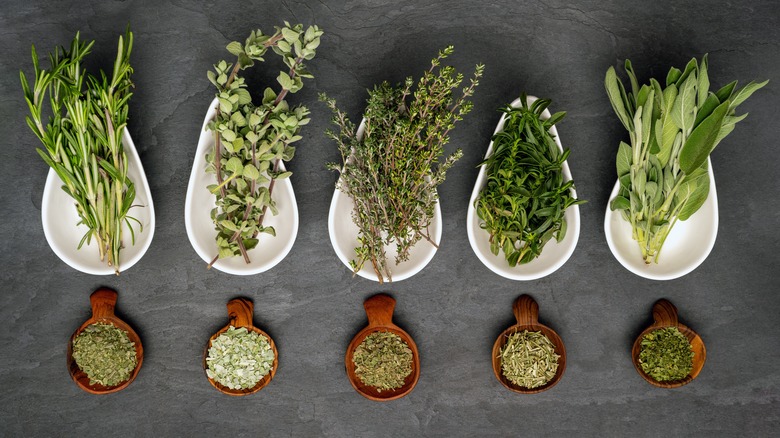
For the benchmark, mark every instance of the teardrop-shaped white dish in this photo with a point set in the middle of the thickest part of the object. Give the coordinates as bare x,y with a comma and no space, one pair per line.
60,221
554,254
688,244
200,228
344,238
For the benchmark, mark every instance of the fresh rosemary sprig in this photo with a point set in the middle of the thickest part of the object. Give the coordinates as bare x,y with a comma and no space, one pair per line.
524,200
663,173
83,139
391,172
251,140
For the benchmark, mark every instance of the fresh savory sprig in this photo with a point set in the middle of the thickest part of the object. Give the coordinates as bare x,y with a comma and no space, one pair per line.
83,139
252,140
391,172
525,198
663,173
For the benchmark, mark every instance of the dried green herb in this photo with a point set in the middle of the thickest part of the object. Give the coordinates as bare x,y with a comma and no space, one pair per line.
83,139
524,200
239,358
666,355
663,173
392,171
528,359
252,140
105,353
383,360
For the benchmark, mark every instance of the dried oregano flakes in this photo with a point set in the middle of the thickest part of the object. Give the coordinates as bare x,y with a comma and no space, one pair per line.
666,355
105,354
239,358
383,360
528,359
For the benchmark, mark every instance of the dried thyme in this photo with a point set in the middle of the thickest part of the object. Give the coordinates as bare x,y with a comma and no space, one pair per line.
666,355
383,360
105,353
239,358
528,359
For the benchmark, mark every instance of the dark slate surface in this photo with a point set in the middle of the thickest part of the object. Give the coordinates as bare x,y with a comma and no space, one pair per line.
455,307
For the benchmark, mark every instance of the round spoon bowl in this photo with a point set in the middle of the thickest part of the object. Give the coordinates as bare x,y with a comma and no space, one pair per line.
344,238
664,316
379,310
526,312
270,250
63,233
240,314
687,246
554,255
103,302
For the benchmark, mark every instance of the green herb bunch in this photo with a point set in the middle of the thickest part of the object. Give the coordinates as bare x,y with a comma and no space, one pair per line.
252,140
663,173
528,359
525,198
83,138
666,355
392,170
105,353
383,360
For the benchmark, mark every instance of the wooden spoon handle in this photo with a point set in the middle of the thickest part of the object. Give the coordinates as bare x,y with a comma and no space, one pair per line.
379,310
526,310
664,313
103,302
240,312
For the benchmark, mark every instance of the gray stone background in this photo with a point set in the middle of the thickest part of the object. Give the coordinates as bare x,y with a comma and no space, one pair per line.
455,307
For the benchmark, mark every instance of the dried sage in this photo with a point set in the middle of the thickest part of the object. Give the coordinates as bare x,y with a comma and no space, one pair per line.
383,360
666,355
528,359
105,353
239,358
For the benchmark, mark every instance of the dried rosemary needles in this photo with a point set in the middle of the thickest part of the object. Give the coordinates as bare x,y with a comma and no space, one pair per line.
105,353
666,355
383,360
528,359
391,172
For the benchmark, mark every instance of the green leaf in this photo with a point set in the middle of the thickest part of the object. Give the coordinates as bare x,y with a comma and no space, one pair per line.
695,199
235,48
701,142
620,203
613,92
623,160
704,83
673,76
234,165
724,93
243,96
289,35
283,175
284,80
706,109
745,92
229,225
251,172
682,111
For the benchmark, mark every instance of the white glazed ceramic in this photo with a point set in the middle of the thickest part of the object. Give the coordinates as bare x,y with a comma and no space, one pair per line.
688,244
554,254
344,238
202,233
60,221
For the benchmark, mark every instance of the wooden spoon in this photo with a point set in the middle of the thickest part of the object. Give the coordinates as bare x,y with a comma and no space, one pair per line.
526,312
103,302
665,315
240,312
379,310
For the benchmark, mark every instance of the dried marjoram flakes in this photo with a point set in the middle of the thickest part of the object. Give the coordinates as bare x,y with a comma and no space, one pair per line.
239,358
528,359
383,360
105,353
666,355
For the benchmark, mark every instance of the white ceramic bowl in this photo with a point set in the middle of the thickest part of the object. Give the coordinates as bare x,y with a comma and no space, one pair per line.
688,244
202,233
60,221
554,254
344,238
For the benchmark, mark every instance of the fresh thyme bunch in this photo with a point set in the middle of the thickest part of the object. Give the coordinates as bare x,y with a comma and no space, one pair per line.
252,140
83,139
391,172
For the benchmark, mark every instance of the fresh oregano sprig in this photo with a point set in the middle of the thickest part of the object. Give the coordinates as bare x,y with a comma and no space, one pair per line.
252,140
525,198
391,172
663,173
83,139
